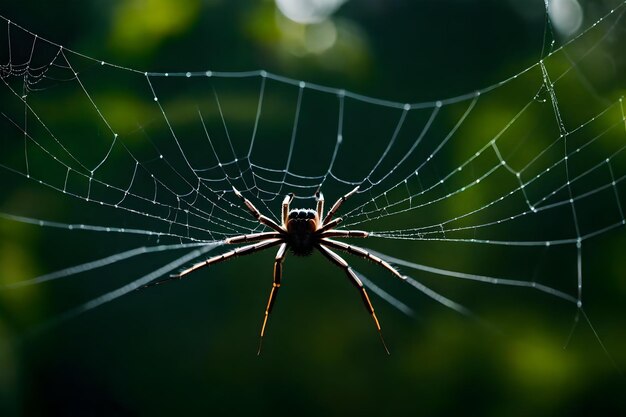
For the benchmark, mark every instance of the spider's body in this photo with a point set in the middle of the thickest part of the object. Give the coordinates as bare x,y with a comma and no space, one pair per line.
301,227
301,231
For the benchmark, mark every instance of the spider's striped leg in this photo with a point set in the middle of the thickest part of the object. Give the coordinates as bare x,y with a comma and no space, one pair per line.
320,204
242,250
257,214
278,273
340,262
254,237
338,204
355,250
344,233
330,225
286,202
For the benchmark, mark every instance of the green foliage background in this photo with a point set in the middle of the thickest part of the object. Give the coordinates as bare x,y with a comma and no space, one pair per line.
189,347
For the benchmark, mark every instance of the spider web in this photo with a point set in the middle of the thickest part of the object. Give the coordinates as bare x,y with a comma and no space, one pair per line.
535,186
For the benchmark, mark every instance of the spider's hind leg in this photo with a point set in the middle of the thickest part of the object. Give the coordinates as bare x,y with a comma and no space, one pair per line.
278,273
340,262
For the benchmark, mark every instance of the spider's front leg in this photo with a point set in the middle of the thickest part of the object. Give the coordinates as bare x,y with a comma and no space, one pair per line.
257,214
285,206
320,204
337,205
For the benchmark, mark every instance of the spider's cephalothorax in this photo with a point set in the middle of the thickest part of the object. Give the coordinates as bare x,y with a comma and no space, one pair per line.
301,231
301,226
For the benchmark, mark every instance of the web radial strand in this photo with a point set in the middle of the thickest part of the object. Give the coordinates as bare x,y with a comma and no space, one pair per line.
121,291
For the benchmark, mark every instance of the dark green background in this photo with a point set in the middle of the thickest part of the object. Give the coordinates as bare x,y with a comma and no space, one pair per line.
189,347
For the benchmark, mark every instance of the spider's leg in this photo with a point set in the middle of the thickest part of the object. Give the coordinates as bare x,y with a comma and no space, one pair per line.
286,202
355,250
257,214
254,237
320,204
330,225
340,262
338,204
242,250
344,233
278,273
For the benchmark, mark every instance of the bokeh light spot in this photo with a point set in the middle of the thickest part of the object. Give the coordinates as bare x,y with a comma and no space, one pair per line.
308,11
566,16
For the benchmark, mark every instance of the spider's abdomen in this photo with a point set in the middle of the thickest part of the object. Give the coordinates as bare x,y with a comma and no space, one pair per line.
301,226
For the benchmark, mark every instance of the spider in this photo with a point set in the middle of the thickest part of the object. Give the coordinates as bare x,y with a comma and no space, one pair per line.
301,231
